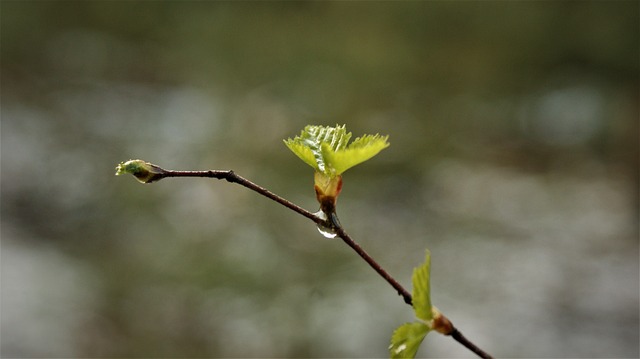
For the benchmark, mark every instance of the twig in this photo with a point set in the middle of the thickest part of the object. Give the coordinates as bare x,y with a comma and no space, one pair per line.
455,334
154,173
362,253
232,177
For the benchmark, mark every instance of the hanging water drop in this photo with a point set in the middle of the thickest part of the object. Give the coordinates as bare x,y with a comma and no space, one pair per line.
327,232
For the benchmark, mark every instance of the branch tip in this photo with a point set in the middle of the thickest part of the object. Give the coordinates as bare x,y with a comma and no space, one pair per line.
144,172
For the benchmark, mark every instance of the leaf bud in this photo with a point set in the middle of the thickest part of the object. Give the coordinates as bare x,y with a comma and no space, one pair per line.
144,172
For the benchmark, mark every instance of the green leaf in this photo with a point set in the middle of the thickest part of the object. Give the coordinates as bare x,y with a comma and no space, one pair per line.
421,290
327,149
406,340
303,151
360,150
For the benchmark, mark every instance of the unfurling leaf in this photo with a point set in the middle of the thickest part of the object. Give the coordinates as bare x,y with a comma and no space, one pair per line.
421,290
360,150
406,340
328,151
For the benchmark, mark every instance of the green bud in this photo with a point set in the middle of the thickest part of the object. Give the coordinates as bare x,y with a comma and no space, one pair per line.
328,151
144,172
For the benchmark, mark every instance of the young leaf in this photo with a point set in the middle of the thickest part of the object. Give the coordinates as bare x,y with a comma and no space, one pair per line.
305,149
421,290
406,340
360,150
328,151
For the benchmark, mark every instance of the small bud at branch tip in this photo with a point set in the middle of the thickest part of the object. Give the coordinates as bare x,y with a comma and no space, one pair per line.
144,172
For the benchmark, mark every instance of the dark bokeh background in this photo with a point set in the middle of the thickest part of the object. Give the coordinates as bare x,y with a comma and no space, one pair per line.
513,158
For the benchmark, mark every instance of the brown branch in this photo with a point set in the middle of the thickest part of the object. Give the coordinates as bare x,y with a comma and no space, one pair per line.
383,273
232,177
154,173
455,334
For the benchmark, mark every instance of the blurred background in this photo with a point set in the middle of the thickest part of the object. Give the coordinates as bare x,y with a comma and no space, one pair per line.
513,158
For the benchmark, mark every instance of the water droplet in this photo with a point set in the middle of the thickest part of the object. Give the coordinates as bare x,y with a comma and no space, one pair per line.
324,230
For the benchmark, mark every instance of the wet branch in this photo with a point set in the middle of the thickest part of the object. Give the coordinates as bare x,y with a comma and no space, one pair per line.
154,173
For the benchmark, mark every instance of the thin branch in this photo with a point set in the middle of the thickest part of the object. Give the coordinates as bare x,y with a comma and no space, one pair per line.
232,177
455,334
362,253
155,173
